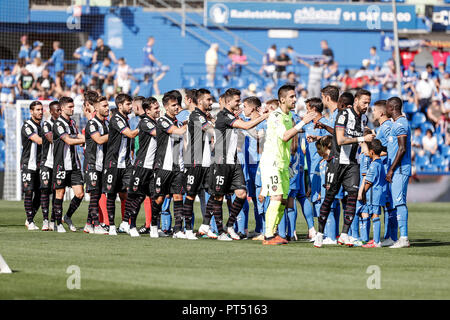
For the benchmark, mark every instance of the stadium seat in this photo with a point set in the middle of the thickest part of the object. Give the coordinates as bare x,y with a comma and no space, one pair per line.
2,165
425,126
421,162
188,82
2,151
441,162
440,139
221,83
445,151
409,107
418,119
238,83
257,81
201,83
2,127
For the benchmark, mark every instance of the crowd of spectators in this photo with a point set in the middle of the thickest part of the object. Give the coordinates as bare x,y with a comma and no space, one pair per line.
97,68
425,91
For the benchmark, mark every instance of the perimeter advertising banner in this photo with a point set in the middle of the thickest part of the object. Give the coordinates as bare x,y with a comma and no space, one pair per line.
441,18
332,16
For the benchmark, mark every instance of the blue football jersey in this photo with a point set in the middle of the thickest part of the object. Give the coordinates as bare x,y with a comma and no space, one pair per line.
377,177
400,127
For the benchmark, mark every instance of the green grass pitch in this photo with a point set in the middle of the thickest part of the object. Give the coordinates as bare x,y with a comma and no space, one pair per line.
143,268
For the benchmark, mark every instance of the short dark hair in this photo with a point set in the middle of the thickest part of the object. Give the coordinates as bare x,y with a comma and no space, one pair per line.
34,103
147,103
199,93
53,104
191,94
380,104
315,103
230,93
332,92
346,99
100,99
139,98
253,101
324,142
396,103
90,96
376,146
65,100
168,96
362,92
177,95
284,89
121,98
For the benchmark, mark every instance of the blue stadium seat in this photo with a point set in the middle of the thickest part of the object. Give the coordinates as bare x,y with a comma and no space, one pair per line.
409,107
445,151
221,83
2,127
440,162
440,139
258,81
2,150
188,82
425,126
418,119
238,83
201,83
421,162
2,165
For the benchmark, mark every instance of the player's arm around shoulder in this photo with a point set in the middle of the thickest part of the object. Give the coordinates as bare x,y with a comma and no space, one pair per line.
246,125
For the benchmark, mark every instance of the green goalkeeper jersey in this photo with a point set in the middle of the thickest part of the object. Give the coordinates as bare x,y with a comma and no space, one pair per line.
276,152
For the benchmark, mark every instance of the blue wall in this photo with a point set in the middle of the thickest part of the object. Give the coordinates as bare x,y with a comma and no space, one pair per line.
133,26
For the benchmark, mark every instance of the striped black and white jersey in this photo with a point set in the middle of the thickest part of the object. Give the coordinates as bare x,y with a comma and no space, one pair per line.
119,146
198,150
65,157
31,151
94,154
226,137
169,149
145,157
47,146
354,125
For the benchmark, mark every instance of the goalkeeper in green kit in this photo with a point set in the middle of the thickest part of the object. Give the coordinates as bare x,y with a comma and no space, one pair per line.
275,160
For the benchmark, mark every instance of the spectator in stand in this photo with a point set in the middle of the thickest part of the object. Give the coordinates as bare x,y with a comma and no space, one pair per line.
101,71
239,60
374,89
45,83
107,88
211,62
122,82
144,87
410,74
36,68
249,92
315,77
293,81
101,52
25,49
425,89
439,56
416,143
327,52
36,52
150,61
84,55
268,65
78,85
228,67
267,94
374,59
7,84
281,62
447,136
431,72
435,113
61,88
440,71
331,74
445,85
294,58
407,56
18,67
57,58
345,80
429,142
26,85
300,107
